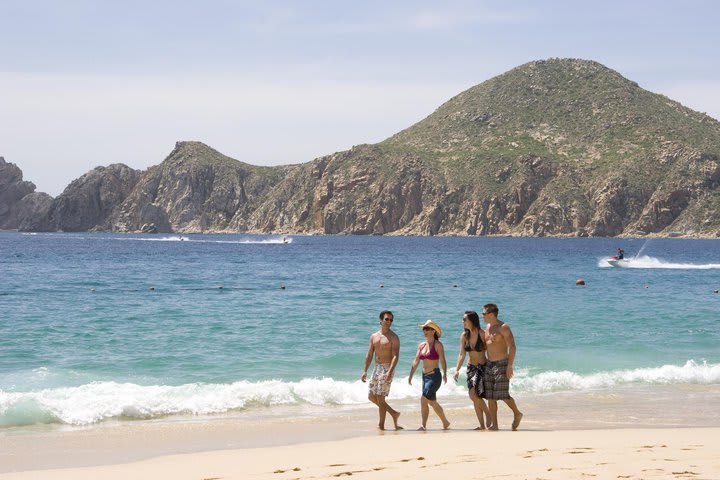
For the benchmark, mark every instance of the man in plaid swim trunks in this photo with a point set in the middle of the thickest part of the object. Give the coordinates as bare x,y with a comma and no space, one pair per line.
385,346
499,367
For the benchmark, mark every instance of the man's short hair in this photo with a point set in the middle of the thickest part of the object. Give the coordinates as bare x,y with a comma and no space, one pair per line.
384,312
491,308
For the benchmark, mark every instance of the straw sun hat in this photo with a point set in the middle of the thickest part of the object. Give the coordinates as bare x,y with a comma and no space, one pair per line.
432,325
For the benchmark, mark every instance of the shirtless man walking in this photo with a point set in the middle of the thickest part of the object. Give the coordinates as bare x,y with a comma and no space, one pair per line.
385,345
499,368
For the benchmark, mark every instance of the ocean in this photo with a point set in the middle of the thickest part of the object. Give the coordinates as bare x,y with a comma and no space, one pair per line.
99,327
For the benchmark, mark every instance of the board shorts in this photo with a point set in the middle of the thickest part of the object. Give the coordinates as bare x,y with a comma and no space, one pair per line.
495,381
378,384
475,378
431,383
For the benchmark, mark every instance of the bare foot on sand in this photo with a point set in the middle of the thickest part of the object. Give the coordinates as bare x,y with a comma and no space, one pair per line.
446,425
481,427
421,429
395,419
516,421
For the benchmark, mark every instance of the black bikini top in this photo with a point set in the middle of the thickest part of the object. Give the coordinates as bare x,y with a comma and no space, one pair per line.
479,345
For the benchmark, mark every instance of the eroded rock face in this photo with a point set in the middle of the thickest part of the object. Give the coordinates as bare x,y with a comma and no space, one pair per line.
31,210
195,189
20,206
89,200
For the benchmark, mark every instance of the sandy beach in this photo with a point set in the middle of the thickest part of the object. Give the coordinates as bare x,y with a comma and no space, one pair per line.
618,453
595,435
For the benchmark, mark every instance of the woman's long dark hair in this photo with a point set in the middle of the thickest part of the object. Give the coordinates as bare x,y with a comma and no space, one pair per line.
475,320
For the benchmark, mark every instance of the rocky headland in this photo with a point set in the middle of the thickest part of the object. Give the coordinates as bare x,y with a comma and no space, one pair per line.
559,147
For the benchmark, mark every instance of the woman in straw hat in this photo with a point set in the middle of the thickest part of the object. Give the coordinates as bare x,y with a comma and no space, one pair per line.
432,354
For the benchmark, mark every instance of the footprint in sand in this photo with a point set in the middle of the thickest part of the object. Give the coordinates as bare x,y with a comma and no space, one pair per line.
530,453
350,473
296,469
577,450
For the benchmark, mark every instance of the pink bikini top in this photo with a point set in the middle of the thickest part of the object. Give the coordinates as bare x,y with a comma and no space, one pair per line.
431,355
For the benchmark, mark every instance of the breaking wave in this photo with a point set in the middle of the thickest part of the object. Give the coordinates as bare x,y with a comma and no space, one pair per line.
97,401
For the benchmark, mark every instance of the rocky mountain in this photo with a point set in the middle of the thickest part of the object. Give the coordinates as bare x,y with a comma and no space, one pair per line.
556,147
196,189
19,203
88,202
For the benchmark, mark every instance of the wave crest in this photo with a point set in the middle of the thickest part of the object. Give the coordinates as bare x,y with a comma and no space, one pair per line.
97,401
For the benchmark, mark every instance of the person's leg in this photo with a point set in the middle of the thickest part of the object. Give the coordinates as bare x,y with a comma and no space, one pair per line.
440,413
481,410
517,414
394,414
382,410
424,412
493,408
374,399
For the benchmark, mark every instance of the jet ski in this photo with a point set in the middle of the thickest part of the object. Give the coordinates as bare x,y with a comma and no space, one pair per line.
618,262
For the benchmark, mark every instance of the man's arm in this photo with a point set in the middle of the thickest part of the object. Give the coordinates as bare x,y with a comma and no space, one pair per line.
510,341
368,359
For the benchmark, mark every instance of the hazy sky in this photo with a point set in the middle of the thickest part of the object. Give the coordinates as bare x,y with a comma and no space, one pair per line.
88,83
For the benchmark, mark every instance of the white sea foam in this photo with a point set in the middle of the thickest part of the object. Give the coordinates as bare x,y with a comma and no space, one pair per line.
181,238
98,401
690,373
656,263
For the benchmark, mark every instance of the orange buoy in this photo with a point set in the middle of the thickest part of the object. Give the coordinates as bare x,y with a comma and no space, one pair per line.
579,281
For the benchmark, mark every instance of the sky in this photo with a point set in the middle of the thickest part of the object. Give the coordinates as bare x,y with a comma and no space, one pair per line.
86,83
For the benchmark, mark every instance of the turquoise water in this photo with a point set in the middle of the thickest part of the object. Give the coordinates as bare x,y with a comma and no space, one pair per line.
100,326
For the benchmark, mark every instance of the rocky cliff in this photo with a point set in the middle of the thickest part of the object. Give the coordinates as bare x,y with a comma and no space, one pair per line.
88,202
19,203
196,189
555,147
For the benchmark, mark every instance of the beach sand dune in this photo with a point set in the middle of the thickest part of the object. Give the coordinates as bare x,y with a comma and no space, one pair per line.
663,453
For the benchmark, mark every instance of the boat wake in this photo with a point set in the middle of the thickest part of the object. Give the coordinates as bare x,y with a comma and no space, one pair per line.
182,238
654,262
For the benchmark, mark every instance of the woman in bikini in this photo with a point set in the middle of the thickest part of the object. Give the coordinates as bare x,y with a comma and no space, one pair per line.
432,354
472,342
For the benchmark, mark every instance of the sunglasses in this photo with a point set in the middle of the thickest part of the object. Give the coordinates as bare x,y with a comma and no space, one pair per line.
388,319
425,329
